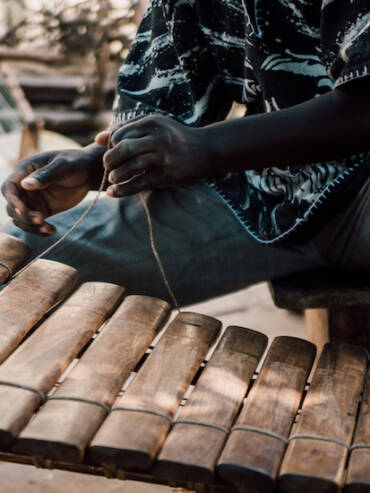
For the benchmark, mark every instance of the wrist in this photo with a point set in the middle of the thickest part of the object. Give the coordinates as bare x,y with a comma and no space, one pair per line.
95,151
217,149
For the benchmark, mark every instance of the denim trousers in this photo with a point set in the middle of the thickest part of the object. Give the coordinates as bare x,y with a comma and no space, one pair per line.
204,249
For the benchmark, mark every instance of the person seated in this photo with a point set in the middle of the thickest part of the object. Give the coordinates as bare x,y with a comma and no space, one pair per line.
233,202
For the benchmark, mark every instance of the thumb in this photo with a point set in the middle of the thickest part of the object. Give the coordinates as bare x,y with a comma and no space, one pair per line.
32,183
43,177
102,138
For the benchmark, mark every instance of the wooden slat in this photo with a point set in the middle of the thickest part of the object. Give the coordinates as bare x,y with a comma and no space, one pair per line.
253,458
329,411
191,450
358,475
132,439
42,358
62,428
28,297
13,253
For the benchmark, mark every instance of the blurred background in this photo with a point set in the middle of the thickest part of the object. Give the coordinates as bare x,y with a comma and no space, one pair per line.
58,68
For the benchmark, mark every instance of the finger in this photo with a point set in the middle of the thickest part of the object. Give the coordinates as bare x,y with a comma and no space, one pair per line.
127,149
26,220
102,138
138,164
137,127
13,213
18,207
25,225
45,229
139,184
12,195
43,177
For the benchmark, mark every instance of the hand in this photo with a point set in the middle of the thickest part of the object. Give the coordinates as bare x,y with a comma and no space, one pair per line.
152,152
48,183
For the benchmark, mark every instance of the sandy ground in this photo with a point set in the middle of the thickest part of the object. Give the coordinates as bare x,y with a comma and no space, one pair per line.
250,308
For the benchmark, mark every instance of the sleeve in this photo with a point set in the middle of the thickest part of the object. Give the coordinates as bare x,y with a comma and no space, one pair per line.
170,69
345,39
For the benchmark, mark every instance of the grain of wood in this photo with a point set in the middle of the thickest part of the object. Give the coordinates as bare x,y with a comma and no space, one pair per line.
329,411
44,356
132,439
62,428
191,451
13,253
28,297
253,458
358,474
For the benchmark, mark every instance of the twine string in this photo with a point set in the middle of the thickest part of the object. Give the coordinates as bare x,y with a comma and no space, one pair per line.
156,254
202,423
67,233
24,387
10,272
83,216
79,399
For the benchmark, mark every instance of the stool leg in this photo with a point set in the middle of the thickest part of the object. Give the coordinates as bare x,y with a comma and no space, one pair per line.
317,323
349,324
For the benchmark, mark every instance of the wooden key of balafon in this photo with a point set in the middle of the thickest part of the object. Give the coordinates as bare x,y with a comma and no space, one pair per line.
64,426
201,429
255,448
38,363
13,255
316,455
27,298
140,420
358,474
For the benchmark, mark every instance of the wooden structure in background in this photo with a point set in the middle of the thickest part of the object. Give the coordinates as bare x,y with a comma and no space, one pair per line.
31,123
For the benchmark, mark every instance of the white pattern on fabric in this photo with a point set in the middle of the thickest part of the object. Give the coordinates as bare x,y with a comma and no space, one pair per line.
269,55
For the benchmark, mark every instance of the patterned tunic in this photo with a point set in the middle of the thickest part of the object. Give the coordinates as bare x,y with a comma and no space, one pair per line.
192,58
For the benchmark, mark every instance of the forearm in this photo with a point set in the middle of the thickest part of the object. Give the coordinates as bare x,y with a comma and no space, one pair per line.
329,127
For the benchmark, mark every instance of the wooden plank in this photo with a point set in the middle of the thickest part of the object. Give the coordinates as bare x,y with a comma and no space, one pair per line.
252,458
132,439
53,89
329,411
358,474
25,300
62,428
13,253
42,358
15,54
69,121
191,450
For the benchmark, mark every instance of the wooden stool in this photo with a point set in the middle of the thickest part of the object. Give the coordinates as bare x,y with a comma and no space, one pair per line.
336,305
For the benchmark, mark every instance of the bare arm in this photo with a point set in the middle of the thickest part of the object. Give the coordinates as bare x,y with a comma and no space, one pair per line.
331,126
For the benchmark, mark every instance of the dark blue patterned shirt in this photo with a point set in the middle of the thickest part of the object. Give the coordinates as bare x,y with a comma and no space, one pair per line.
192,58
